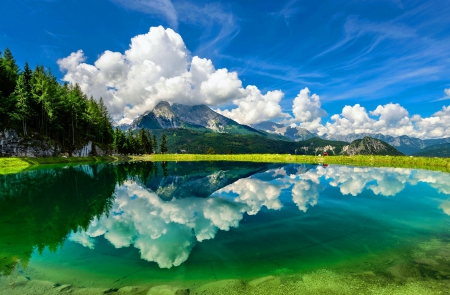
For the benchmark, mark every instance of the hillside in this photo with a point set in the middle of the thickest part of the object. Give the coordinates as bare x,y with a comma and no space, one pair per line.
370,146
195,142
438,150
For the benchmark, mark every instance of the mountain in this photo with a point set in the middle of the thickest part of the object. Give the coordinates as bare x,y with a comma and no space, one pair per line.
405,144
429,142
293,133
184,180
198,142
370,146
436,150
198,118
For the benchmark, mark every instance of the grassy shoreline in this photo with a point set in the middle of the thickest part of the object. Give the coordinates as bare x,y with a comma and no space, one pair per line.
16,165
437,164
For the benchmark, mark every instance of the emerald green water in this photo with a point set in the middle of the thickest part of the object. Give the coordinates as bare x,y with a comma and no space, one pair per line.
188,224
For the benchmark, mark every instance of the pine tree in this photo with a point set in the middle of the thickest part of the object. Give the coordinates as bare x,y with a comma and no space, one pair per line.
23,99
148,146
163,144
155,144
11,71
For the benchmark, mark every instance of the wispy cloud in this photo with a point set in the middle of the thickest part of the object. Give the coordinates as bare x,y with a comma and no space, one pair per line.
446,97
287,11
218,23
162,8
355,28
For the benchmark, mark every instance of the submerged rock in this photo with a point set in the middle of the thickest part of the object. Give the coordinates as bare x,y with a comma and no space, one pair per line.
265,280
167,290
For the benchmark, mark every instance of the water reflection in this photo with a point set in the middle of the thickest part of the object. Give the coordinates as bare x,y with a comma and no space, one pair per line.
165,214
166,222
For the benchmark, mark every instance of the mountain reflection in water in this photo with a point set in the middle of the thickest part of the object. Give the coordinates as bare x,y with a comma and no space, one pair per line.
164,209
165,230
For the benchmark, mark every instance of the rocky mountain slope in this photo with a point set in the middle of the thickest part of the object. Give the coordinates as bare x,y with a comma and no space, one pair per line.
370,146
295,134
199,118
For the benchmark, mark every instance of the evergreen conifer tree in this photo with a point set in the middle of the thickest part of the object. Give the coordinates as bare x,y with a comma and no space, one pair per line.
163,144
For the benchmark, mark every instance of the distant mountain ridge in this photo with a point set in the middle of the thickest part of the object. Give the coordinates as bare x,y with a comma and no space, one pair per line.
436,150
405,144
293,133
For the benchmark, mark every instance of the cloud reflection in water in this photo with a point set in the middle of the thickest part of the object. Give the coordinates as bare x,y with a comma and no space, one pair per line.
166,231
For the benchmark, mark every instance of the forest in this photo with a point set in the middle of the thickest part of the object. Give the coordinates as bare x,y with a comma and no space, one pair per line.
37,106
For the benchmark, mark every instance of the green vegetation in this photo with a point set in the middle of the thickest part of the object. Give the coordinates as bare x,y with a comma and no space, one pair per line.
437,150
45,206
438,164
194,142
34,104
15,165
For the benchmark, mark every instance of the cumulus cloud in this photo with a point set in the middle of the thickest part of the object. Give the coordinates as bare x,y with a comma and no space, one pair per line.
164,232
389,119
307,109
256,107
387,182
255,193
158,67
306,189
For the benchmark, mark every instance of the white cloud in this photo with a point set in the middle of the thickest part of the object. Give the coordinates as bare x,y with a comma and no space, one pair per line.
256,107
83,239
389,119
447,92
255,193
158,67
445,206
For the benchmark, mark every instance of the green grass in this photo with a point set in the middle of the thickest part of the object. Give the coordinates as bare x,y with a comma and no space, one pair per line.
438,164
16,165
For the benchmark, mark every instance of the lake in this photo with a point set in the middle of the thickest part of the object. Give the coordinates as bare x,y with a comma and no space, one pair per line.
224,228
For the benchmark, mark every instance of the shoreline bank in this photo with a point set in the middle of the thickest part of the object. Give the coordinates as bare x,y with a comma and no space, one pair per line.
16,165
435,164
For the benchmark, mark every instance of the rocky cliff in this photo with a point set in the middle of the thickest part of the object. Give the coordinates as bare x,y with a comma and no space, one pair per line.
369,146
13,145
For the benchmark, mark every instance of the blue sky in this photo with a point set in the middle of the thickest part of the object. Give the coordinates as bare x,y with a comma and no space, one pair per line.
370,53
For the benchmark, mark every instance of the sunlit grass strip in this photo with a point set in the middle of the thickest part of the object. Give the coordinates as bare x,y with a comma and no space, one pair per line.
440,164
12,165
16,165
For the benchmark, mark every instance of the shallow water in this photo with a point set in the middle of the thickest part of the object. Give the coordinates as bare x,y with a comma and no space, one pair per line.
284,228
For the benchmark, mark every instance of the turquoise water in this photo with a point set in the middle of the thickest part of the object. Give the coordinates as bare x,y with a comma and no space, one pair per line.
188,224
